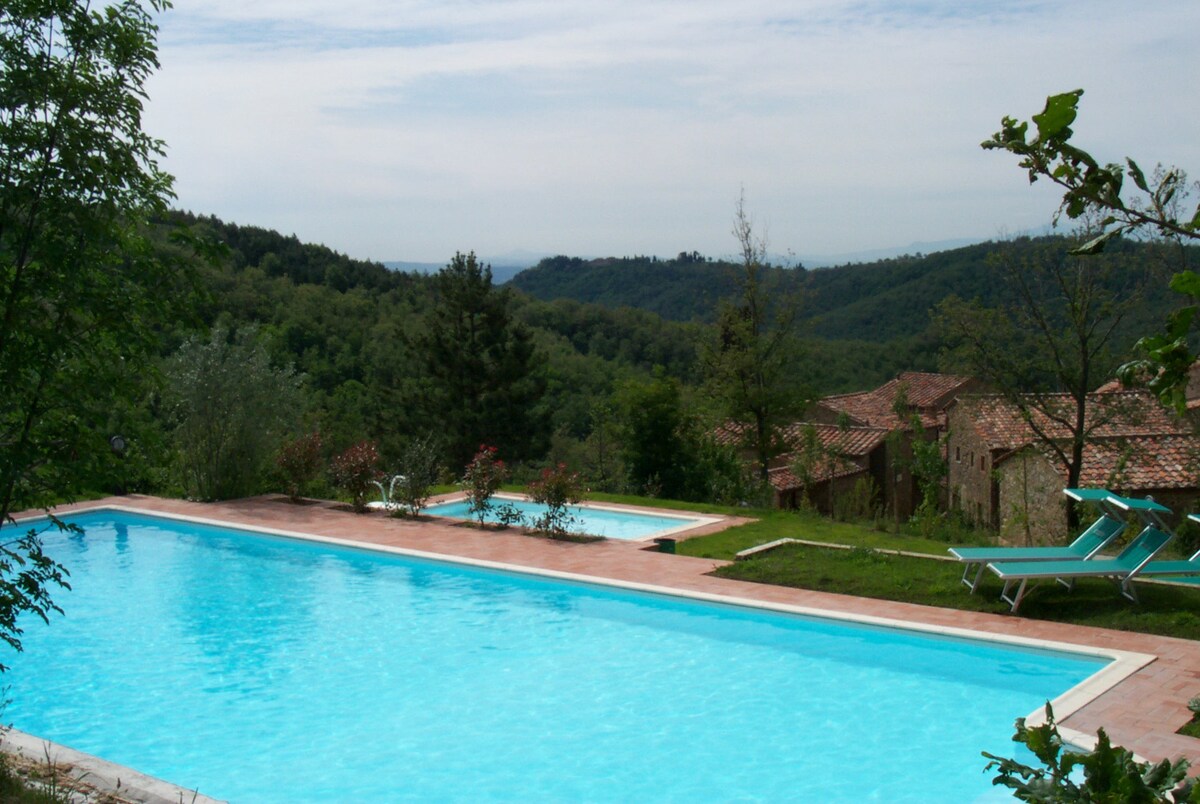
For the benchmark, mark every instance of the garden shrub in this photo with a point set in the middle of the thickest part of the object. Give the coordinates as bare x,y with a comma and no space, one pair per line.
481,480
420,469
556,488
299,462
354,471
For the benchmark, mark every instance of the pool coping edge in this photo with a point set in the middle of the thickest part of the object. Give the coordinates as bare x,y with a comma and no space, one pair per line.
98,773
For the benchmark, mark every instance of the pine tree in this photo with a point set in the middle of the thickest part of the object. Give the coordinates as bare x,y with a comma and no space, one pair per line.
482,378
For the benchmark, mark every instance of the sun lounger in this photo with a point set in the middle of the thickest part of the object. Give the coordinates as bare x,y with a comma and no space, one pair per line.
1122,569
1190,566
1110,525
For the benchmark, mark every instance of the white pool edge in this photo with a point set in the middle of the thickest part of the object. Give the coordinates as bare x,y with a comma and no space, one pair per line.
1122,664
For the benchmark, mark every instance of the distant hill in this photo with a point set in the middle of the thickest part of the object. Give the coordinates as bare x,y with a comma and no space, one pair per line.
877,301
501,271
876,254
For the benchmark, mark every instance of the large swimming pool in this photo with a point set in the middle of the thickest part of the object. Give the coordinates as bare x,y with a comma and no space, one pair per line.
260,669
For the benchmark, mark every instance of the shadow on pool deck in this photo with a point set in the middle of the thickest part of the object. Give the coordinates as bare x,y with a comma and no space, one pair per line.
1141,713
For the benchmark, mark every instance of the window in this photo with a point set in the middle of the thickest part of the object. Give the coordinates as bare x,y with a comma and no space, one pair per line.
957,454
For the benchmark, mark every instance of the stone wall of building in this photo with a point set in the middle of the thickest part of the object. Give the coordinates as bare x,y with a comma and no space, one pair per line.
969,479
1032,504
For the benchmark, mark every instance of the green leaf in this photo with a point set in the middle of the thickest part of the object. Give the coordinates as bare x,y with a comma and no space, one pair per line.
1186,282
1135,173
1096,244
1059,114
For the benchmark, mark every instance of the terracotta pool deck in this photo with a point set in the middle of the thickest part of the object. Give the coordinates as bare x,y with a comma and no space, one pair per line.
1142,712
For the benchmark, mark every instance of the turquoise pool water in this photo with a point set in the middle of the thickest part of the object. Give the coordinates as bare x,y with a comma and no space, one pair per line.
263,669
610,523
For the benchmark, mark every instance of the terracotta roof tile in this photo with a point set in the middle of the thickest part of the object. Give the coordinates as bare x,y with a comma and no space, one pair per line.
783,479
1139,463
924,390
1127,413
927,395
858,441
854,441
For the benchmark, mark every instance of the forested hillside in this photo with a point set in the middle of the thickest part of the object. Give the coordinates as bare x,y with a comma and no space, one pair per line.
880,302
286,338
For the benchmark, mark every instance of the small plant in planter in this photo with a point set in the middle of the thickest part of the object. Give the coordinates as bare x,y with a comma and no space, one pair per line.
556,488
354,471
299,461
481,480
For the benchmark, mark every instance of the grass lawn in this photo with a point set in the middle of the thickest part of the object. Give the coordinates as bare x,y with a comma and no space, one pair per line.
773,524
1165,610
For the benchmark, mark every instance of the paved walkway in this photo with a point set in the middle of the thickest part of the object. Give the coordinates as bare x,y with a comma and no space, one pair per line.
1142,712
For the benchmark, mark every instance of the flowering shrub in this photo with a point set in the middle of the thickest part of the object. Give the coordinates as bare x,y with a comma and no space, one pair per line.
354,470
556,488
481,479
299,461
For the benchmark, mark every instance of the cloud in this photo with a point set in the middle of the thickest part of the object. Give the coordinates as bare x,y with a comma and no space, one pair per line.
408,130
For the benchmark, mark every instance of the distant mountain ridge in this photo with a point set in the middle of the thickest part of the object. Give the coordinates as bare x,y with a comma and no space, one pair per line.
507,266
877,301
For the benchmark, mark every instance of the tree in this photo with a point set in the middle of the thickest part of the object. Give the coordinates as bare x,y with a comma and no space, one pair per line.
1158,207
1046,345
81,287
482,375
667,448
232,410
753,366
655,435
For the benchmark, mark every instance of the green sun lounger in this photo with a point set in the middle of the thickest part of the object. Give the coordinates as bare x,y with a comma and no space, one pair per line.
1098,535
1189,566
1122,569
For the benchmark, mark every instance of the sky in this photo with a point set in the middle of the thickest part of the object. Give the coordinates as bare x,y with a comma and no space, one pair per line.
412,129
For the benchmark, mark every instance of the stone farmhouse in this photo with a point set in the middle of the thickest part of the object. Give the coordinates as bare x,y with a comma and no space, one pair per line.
1002,476
851,445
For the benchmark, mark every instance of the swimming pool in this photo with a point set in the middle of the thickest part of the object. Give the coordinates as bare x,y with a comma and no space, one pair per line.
591,519
261,668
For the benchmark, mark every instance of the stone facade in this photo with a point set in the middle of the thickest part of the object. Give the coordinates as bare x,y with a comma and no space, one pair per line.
971,486
1001,476
1032,507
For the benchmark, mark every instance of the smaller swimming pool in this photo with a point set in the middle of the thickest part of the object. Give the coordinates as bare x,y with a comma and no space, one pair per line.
590,519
